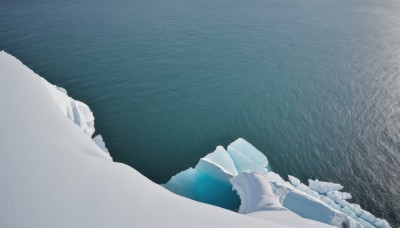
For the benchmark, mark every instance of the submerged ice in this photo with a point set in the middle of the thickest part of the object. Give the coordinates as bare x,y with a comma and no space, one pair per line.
239,178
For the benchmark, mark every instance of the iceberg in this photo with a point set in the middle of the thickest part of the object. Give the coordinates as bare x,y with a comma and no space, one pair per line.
211,175
247,157
213,172
221,158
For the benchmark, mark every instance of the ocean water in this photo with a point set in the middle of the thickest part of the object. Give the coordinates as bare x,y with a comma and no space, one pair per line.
313,84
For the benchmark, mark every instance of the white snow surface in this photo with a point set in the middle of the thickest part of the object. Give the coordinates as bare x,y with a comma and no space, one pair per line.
77,111
53,175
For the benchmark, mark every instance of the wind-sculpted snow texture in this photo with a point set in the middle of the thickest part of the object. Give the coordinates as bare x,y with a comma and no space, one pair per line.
260,189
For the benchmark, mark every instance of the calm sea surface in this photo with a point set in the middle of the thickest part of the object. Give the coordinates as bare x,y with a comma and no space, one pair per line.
314,84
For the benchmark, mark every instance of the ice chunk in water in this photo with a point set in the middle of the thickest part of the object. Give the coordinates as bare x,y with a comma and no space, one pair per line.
246,156
222,158
323,187
338,196
243,163
294,181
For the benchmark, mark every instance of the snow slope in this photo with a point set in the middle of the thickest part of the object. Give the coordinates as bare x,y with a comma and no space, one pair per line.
77,111
54,175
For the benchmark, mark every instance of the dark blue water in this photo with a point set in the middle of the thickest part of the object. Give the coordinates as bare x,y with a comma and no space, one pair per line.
313,84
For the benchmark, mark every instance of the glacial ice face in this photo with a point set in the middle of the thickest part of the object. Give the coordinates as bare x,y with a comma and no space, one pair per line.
221,158
209,182
211,175
207,186
247,170
247,157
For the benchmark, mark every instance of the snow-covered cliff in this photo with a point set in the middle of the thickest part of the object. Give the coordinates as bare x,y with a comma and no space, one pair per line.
53,174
